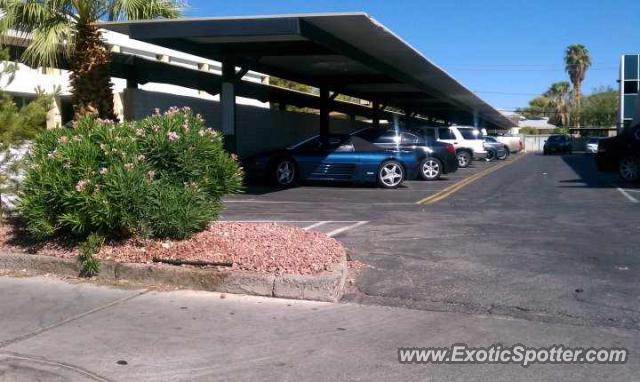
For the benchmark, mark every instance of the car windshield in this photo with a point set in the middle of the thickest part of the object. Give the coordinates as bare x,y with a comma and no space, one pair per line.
556,138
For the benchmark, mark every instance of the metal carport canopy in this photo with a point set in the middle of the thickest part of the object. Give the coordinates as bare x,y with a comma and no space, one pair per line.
350,53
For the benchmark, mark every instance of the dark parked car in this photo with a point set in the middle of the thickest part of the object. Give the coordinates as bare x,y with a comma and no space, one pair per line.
495,149
338,158
621,154
440,157
558,144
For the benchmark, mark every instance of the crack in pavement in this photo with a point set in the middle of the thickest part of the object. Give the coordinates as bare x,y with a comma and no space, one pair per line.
27,336
46,361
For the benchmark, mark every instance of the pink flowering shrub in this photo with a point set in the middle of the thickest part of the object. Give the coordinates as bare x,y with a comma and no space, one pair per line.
162,176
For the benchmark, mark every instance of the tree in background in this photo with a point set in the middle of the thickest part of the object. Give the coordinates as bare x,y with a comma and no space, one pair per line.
69,28
558,96
577,61
539,107
292,85
600,108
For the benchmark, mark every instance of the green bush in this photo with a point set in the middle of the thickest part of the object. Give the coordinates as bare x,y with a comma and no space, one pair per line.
22,123
163,176
89,264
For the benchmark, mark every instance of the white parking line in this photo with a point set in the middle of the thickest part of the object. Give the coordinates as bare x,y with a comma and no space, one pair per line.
347,228
315,225
626,195
269,221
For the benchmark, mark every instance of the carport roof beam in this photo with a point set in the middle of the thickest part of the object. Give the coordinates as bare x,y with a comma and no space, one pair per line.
351,53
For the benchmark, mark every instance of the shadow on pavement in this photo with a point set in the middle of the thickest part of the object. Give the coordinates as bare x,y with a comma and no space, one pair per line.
588,175
262,189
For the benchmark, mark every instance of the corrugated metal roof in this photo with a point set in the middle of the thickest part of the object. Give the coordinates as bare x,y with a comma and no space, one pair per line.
350,53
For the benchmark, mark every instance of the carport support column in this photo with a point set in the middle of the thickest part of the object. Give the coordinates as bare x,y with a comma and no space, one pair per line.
228,105
324,112
476,119
376,114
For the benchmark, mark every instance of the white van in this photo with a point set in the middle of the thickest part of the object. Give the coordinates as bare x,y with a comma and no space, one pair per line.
466,139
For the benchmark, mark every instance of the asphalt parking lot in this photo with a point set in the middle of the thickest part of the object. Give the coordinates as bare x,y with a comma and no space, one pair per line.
544,238
335,202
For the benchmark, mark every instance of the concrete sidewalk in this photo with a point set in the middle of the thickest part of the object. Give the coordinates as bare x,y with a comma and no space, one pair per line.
55,330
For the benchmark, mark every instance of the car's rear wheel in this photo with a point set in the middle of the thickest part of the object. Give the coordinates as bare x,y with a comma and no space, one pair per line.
464,159
491,155
504,155
431,169
629,169
390,174
284,172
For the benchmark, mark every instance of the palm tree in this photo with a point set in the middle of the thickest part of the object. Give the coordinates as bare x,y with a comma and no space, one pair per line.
69,29
577,61
558,96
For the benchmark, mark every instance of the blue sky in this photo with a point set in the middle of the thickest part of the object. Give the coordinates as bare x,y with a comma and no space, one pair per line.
507,51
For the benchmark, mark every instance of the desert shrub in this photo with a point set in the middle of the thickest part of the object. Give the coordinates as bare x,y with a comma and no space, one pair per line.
89,264
162,176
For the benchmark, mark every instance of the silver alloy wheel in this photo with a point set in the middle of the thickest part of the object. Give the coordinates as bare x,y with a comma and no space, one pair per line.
630,169
391,174
462,160
285,173
430,169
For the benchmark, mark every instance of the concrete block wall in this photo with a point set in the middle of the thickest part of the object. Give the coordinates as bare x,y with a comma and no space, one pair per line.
257,129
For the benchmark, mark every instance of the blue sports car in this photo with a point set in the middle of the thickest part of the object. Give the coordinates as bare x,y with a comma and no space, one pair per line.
338,158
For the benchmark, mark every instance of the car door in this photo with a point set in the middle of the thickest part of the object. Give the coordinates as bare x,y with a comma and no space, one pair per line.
337,161
308,156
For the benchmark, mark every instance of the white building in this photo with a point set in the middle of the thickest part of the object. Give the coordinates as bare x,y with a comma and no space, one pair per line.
27,80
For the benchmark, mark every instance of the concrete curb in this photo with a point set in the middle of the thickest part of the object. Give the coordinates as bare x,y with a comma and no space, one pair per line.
327,286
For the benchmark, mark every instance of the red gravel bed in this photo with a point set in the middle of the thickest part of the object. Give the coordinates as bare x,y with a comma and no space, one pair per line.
261,247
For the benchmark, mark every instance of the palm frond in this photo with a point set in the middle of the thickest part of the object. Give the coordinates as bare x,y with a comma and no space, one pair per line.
144,9
47,23
53,37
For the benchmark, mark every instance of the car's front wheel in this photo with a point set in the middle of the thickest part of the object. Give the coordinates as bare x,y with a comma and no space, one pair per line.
505,154
431,169
284,172
629,169
390,174
491,155
464,159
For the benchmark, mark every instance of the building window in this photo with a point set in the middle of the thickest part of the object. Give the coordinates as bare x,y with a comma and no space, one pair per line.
630,106
631,87
631,67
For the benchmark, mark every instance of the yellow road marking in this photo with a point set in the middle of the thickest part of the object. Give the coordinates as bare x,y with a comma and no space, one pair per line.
463,183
